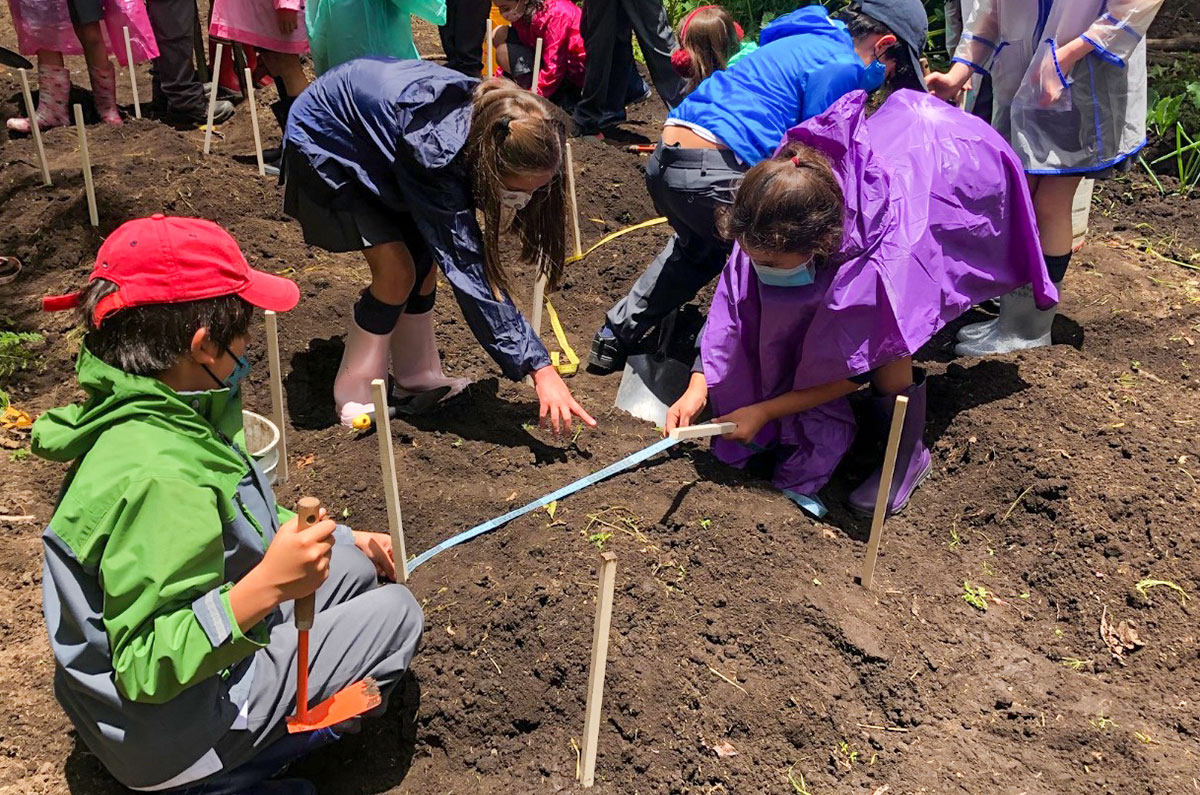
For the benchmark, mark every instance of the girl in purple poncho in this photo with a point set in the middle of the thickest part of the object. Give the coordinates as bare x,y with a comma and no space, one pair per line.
854,245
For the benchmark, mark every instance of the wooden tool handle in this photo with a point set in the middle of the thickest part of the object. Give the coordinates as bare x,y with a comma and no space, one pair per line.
307,511
704,431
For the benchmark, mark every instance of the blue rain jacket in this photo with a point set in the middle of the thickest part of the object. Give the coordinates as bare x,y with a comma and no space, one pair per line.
805,62
397,129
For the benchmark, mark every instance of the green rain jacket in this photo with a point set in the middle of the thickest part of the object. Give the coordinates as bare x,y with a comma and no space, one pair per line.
161,512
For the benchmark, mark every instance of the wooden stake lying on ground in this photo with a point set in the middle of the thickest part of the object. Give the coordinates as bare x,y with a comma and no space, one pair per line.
489,67
137,102
34,128
574,201
276,373
391,489
885,490
212,97
595,694
262,168
537,65
88,186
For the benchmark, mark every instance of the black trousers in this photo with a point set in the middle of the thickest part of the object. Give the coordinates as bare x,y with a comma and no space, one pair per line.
176,86
463,34
606,27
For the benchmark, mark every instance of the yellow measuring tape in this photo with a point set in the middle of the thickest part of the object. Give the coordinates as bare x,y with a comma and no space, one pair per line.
571,365
615,235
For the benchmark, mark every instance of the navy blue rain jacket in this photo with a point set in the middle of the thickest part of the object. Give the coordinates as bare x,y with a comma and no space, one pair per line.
397,129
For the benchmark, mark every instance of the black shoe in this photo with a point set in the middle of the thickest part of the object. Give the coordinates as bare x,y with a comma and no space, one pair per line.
222,112
606,355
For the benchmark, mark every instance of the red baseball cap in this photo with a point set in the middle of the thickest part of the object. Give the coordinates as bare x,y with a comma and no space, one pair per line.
168,260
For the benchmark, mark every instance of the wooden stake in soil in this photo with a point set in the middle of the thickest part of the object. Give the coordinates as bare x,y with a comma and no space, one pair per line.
489,65
262,168
277,391
212,97
137,102
885,490
537,65
539,300
34,128
391,489
574,201
88,186
595,694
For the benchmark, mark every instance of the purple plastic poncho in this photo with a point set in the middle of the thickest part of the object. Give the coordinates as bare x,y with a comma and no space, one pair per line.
938,218
46,25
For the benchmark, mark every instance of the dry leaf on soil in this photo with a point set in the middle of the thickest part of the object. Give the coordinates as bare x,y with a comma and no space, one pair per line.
724,749
1120,637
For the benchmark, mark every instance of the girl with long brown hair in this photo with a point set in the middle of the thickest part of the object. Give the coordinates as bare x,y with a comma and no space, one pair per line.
394,159
710,40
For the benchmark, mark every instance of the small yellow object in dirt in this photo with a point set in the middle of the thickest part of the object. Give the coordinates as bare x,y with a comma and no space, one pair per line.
551,508
15,418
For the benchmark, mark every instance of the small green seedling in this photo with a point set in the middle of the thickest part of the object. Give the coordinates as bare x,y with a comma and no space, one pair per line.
955,540
19,455
1075,664
1143,586
1145,738
976,596
705,524
598,539
800,786
1102,722
457,443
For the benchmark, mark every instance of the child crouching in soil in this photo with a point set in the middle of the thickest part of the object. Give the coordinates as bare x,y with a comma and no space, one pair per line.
170,570
855,244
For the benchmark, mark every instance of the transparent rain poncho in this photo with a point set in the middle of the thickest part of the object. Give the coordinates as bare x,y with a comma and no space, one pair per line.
342,30
1085,121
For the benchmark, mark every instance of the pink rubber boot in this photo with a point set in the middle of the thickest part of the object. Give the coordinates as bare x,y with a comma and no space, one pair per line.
364,360
104,90
54,90
416,365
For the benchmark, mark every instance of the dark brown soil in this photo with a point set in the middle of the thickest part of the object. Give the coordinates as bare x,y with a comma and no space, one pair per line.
1063,477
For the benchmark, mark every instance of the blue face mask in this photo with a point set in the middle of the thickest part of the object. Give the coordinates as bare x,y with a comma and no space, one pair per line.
241,369
873,76
780,277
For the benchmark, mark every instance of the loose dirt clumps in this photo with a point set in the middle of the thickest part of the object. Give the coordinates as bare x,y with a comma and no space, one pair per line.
744,656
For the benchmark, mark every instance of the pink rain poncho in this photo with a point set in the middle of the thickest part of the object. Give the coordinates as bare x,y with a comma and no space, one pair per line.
938,218
46,25
254,22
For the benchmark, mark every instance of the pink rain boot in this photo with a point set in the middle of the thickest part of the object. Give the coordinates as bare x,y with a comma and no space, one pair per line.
54,90
365,359
416,365
104,91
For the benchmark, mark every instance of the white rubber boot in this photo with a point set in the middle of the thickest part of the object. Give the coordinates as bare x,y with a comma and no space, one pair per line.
1020,326
364,360
416,365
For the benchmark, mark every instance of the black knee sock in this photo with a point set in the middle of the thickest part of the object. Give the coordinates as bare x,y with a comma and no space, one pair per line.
420,304
1057,266
374,316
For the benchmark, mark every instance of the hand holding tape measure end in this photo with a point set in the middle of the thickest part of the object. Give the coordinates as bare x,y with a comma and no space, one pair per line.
702,431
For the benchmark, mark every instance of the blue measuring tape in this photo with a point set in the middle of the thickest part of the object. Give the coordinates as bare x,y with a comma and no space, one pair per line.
565,491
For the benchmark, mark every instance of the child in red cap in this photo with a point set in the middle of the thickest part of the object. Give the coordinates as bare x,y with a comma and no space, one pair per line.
170,570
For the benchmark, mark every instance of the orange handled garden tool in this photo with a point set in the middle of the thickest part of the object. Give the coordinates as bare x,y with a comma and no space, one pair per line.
347,703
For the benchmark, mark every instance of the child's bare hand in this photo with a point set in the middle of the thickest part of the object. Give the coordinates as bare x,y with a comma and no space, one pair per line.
286,19
557,403
297,562
378,549
683,412
749,420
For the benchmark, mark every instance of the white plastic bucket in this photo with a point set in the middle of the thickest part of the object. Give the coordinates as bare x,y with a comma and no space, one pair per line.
262,441
1080,211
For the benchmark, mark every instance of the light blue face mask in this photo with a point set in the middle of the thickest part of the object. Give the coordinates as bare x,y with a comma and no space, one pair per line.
781,277
873,76
241,369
